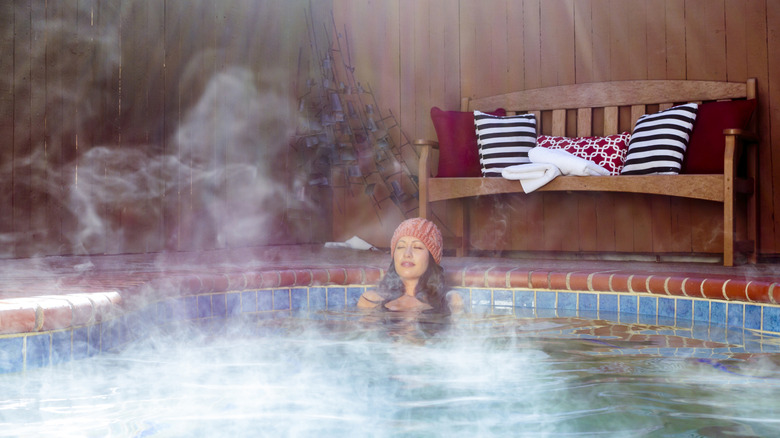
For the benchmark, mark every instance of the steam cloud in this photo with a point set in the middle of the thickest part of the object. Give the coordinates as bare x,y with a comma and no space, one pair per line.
215,183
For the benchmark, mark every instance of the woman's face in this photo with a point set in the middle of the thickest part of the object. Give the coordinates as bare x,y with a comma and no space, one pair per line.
410,258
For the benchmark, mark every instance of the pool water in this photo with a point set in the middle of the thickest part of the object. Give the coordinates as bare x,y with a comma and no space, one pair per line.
350,373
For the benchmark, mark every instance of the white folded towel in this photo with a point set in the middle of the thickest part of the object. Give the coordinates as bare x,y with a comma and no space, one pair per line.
531,175
568,163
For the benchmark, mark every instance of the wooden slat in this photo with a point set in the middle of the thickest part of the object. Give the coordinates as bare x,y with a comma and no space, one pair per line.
584,50
619,93
769,158
704,39
675,37
23,125
584,122
708,187
532,35
637,111
559,123
55,127
611,120
39,169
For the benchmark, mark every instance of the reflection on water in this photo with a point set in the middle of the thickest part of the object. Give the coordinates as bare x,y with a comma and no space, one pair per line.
384,374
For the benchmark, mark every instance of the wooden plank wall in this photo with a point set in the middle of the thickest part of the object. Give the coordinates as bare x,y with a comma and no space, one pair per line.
97,97
435,51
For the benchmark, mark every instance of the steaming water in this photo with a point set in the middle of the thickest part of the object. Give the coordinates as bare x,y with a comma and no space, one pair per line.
348,374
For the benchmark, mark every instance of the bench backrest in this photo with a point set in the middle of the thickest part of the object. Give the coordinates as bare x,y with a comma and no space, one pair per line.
605,108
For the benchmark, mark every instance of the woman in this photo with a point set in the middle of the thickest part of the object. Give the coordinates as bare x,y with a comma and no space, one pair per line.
414,282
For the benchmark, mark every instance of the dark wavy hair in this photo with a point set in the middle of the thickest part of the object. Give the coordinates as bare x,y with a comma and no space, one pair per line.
431,289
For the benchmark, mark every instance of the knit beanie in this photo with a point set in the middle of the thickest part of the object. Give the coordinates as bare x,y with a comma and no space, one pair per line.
422,229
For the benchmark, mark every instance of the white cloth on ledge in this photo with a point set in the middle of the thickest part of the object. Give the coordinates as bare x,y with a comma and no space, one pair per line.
547,164
569,164
531,175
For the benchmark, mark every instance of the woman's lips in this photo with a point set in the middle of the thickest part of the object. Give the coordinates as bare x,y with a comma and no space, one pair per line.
407,264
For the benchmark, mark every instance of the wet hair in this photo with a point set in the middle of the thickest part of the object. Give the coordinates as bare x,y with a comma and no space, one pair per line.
431,288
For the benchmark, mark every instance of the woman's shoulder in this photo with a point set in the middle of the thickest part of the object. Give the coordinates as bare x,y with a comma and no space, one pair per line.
369,299
454,301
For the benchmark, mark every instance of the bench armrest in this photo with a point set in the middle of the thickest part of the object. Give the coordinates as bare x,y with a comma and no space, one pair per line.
742,134
424,142
425,146
735,141
424,172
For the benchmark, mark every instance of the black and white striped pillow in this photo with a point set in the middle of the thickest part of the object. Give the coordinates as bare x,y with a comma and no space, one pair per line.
503,140
659,141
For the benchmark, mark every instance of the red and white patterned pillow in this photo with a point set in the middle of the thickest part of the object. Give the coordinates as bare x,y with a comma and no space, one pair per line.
608,152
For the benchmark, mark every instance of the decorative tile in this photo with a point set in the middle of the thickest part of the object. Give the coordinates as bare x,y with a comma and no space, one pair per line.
701,310
717,312
628,303
608,303
545,300
684,309
317,298
353,295
736,314
648,306
93,339
80,342
11,354
281,299
666,307
204,306
502,298
524,298
588,301
299,298
112,334
336,298
752,317
61,347
481,297
771,320
265,300
232,304
249,301
218,305
567,300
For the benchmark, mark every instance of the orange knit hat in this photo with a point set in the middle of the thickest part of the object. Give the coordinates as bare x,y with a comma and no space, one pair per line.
422,229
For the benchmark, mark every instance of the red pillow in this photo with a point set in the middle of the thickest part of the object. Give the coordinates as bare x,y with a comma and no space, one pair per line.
458,150
705,151
608,152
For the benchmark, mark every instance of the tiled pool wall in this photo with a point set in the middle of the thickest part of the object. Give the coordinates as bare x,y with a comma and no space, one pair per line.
53,330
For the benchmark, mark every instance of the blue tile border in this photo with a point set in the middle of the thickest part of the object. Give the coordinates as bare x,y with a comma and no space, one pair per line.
699,318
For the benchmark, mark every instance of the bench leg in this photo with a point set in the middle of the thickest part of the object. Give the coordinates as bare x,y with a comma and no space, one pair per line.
462,251
459,216
752,204
728,231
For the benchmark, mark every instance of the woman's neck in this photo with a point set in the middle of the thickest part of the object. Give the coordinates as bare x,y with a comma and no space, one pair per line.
410,287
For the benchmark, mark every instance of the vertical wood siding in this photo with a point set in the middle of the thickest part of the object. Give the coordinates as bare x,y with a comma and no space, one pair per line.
446,49
93,95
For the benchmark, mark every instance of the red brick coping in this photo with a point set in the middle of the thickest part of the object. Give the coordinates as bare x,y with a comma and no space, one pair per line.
62,310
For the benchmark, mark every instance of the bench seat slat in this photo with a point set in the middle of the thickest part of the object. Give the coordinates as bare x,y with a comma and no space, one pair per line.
707,187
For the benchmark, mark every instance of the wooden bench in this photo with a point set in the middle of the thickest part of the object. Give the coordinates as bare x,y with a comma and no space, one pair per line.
614,101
